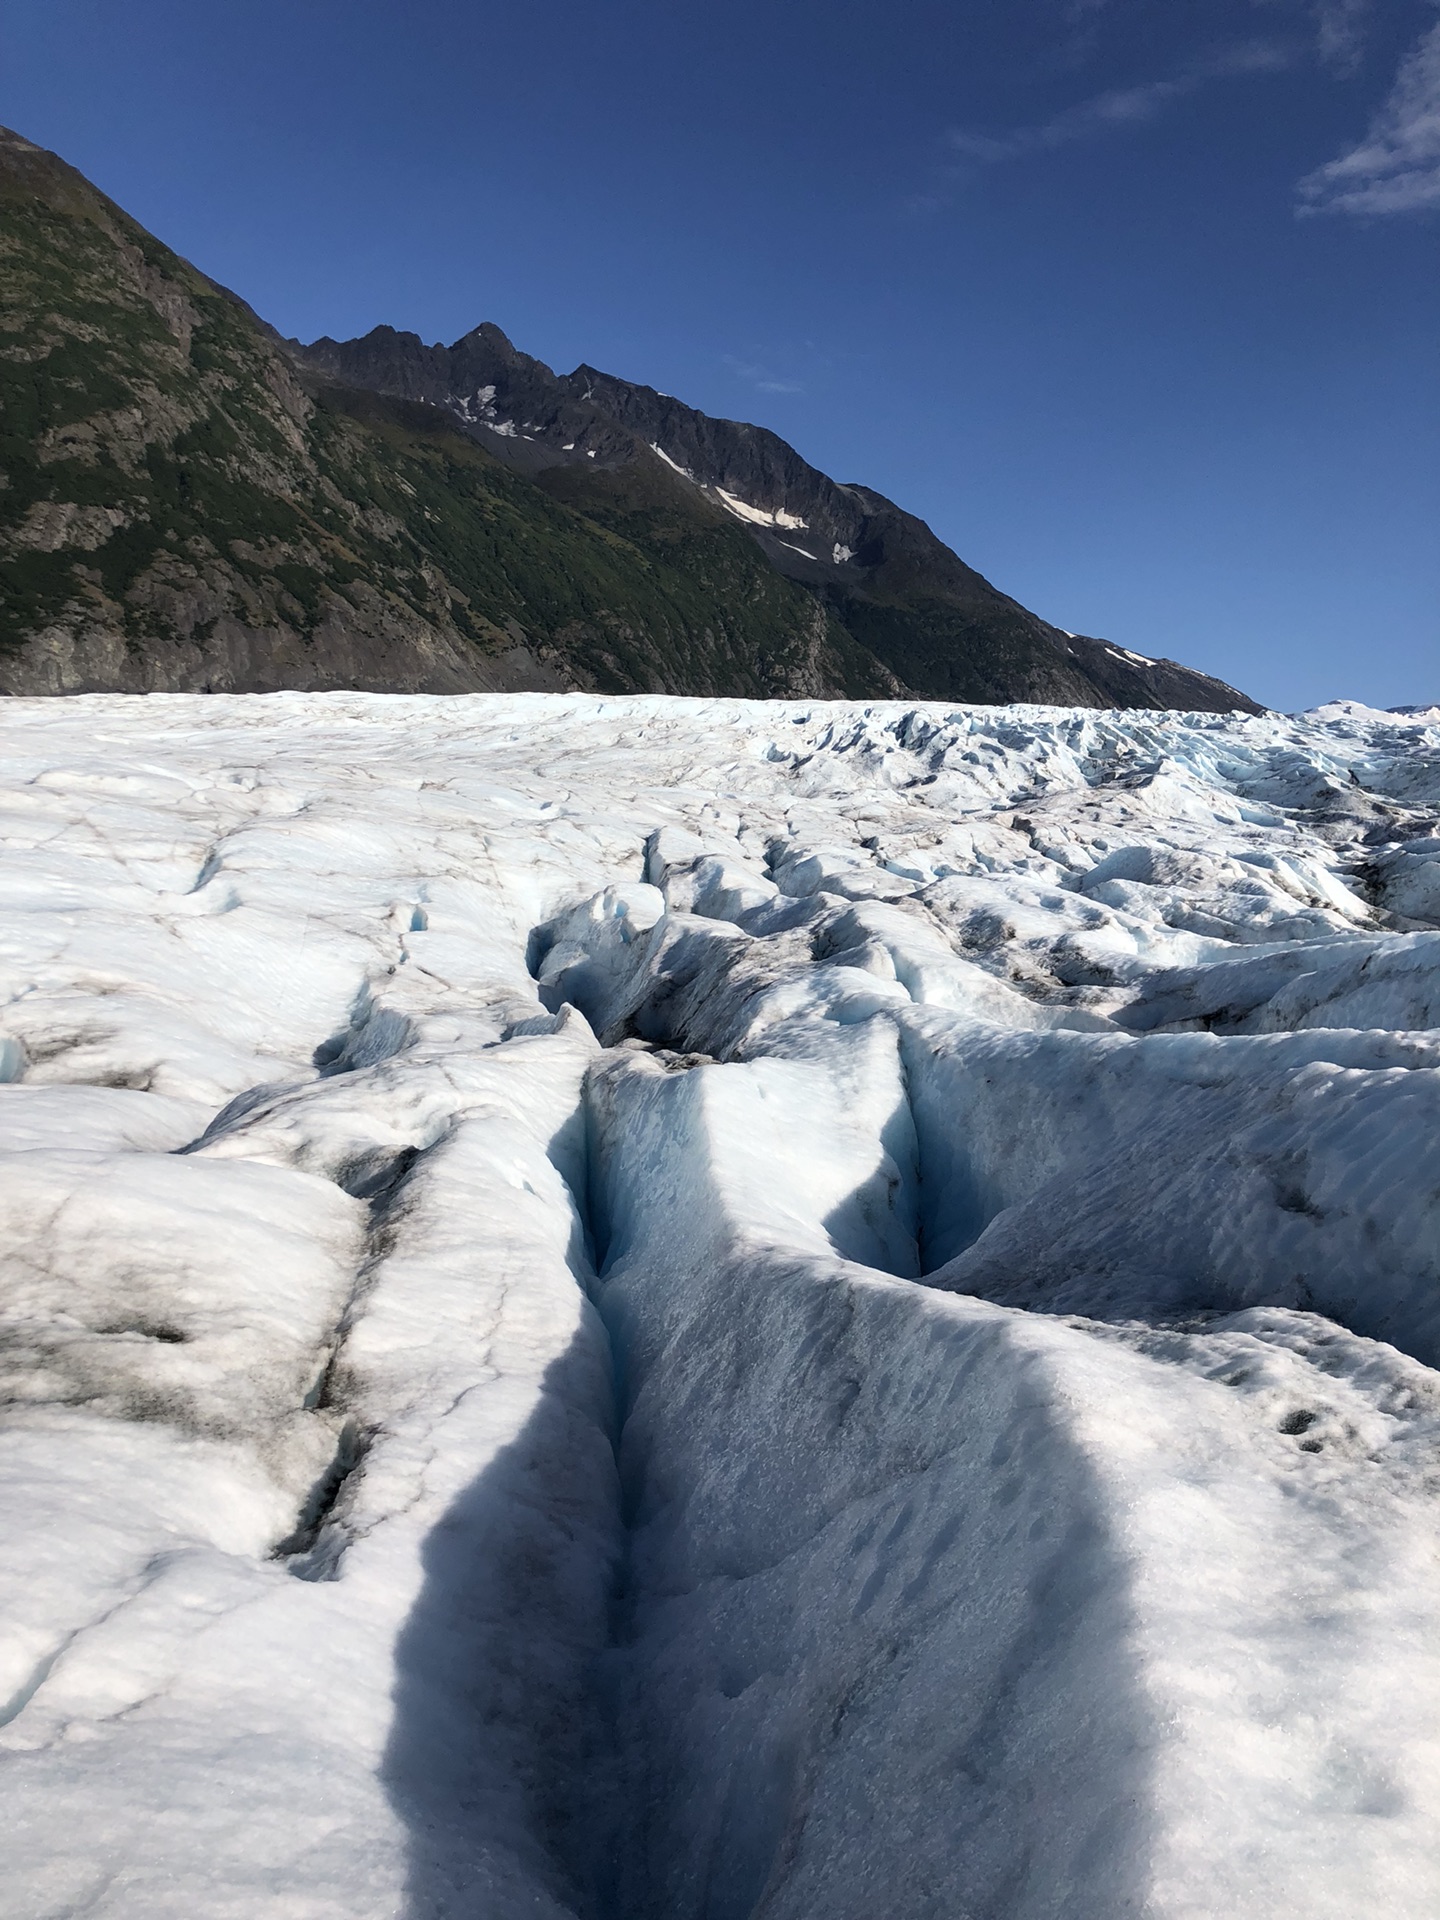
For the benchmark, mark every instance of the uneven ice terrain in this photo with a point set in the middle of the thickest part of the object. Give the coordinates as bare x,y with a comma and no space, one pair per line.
673,1310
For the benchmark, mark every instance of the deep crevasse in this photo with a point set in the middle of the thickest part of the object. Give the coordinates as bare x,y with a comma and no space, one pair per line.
1094,1574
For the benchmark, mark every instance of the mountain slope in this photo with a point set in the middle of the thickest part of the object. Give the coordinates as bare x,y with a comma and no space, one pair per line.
939,626
184,508
191,503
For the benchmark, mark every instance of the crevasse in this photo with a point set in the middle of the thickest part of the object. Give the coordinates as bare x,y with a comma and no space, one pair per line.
833,1307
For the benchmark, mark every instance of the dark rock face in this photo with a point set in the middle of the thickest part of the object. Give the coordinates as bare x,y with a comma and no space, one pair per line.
193,504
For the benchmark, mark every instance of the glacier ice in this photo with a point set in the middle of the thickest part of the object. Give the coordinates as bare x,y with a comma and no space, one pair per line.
701,1309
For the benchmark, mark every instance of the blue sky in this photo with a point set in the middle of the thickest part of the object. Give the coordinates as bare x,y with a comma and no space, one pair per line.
1137,304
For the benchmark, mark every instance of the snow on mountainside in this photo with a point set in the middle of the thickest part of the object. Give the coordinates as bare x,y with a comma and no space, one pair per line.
927,624
694,1309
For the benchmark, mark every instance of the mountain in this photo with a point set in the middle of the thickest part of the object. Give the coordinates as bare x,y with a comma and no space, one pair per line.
589,439
190,502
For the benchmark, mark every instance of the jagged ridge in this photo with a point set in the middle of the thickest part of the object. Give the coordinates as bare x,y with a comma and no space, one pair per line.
192,504
933,622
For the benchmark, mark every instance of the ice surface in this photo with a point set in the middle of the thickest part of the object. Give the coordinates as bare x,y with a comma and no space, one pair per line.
688,1308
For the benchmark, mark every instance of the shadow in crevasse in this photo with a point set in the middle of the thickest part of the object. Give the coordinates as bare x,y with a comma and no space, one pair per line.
875,1645
926,1708
497,1755
888,1657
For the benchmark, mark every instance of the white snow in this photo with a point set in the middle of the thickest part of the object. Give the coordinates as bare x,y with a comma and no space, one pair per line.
754,516
674,465
1124,653
478,409
479,406
840,554
760,516
703,1308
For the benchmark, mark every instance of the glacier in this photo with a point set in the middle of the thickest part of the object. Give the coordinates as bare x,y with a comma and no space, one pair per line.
637,1307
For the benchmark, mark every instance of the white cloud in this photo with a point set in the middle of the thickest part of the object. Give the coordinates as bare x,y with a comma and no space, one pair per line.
1117,107
759,377
1341,32
1121,106
1396,167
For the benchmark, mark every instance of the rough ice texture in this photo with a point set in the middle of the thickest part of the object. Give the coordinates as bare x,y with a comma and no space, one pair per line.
686,1310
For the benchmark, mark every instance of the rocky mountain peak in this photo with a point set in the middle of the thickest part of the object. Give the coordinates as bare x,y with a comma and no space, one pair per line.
194,502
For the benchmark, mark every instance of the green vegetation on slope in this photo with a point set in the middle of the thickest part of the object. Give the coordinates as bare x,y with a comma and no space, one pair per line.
185,502
173,490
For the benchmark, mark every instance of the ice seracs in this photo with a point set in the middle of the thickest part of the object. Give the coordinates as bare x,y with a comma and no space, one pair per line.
692,1308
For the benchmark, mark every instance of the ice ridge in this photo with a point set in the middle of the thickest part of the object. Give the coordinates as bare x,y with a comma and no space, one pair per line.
833,1305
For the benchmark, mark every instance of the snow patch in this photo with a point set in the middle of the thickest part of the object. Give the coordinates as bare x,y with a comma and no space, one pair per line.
674,465
760,516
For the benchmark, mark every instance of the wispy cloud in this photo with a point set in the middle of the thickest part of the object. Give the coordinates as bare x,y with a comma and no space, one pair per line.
1340,32
1396,167
1121,106
761,378
1117,108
